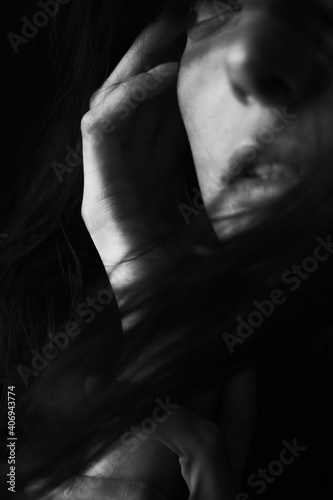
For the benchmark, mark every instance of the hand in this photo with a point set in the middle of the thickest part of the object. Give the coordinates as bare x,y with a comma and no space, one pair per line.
203,455
212,457
115,143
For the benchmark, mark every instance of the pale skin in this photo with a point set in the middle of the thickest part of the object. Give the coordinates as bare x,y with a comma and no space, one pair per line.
210,456
223,109
237,77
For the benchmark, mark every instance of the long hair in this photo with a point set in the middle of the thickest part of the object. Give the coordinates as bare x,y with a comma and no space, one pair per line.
185,339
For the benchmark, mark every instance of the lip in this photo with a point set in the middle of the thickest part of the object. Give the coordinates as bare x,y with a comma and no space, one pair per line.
258,175
283,159
254,189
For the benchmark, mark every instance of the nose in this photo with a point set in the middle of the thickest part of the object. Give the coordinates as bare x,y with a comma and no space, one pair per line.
277,57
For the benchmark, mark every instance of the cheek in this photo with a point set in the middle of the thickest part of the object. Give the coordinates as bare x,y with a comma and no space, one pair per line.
189,88
197,104
211,118
202,73
196,98
206,106
203,91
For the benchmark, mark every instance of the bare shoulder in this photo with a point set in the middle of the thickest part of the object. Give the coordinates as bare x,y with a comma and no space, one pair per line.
137,456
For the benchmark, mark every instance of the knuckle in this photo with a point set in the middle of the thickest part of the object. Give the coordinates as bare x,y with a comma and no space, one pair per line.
94,126
88,123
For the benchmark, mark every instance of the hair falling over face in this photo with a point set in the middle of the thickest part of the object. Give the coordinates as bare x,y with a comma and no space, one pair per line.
208,285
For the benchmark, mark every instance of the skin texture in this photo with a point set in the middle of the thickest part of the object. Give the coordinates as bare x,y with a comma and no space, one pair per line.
180,454
208,455
234,82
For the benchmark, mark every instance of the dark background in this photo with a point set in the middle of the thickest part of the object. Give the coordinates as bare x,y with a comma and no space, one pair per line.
27,81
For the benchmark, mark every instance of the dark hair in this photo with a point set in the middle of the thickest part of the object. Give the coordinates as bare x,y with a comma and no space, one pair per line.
49,265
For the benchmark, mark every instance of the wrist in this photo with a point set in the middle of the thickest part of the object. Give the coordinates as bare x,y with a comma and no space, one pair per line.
128,271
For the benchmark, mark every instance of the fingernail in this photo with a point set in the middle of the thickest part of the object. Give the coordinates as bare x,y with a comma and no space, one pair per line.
164,69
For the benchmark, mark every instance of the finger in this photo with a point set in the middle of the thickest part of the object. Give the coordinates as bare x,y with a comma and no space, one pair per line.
102,155
155,40
118,107
156,129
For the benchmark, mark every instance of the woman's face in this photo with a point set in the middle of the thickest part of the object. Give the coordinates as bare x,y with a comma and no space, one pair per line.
250,96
